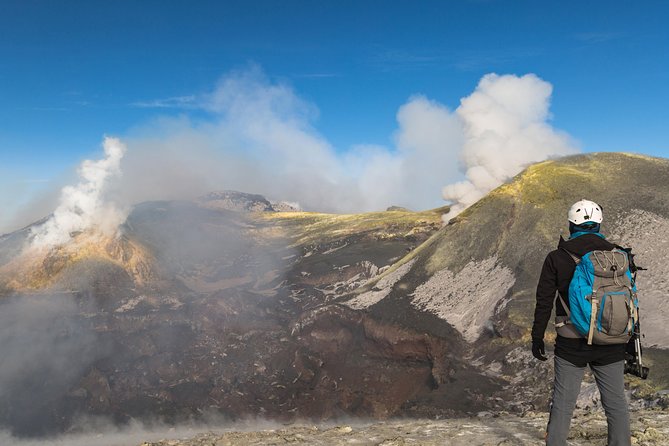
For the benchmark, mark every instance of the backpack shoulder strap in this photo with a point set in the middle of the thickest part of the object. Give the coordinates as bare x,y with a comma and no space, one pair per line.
566,309
576,260
573,256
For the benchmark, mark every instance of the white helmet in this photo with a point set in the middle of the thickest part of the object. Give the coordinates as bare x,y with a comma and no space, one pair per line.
585,210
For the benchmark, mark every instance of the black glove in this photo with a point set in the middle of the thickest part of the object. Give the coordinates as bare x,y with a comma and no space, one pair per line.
538,350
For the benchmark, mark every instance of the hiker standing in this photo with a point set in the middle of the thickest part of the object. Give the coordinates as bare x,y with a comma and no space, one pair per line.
574,350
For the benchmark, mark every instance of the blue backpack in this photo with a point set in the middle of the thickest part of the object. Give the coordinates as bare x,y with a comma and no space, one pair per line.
603,306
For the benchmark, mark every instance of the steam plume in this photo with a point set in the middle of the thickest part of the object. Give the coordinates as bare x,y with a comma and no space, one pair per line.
262,139
260,136
82,206
505,129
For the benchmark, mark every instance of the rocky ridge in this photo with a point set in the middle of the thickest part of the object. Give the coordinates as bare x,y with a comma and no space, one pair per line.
244,202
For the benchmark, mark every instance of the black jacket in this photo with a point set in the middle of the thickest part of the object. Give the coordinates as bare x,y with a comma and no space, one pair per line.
556,275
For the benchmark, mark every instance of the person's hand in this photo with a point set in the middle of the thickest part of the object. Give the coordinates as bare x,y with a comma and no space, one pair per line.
538,350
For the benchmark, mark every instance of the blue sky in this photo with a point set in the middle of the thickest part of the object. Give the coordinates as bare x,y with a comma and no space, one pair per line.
73,71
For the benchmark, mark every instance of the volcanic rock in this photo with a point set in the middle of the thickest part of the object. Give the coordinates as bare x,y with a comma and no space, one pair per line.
236,201
224,305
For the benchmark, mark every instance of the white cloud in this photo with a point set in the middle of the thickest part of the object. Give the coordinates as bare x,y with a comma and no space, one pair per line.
429,139
506,128
189,101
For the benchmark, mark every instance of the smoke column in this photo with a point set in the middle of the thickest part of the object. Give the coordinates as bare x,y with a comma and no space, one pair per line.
258,135
505,129
82,206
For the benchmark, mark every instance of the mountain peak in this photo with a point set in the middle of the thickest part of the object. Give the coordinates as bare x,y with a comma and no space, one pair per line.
232,200
236,201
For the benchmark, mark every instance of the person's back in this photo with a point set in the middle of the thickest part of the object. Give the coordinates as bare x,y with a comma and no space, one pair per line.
572,351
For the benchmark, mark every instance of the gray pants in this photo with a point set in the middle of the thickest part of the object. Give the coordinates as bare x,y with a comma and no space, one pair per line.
610,381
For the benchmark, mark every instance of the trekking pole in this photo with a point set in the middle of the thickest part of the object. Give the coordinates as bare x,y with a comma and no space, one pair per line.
641,372
636,368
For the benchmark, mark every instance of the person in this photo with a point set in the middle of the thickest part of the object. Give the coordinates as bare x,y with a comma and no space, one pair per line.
572,353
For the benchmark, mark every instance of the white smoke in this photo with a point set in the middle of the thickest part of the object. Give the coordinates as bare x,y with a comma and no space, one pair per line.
83,206
505,129
262,139
256,135
258,138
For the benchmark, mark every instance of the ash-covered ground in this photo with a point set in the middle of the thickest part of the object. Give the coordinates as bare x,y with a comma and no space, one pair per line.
649,427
